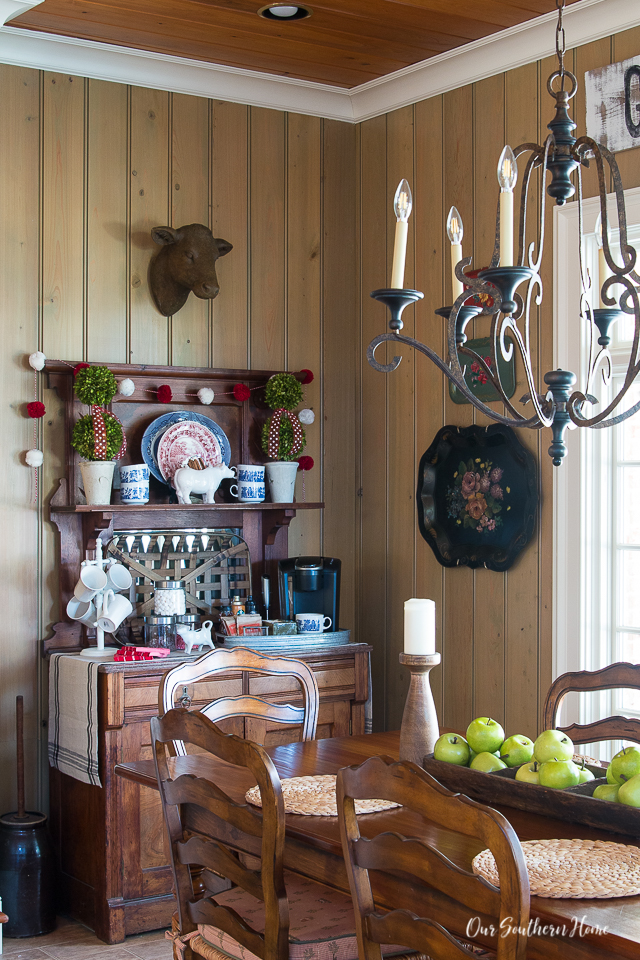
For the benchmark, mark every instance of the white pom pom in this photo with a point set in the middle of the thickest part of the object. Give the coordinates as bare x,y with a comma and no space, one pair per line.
37,360
306,416
126,387
34,458
206,395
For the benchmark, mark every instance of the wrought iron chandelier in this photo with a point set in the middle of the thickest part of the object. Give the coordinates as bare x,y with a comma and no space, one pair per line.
495,288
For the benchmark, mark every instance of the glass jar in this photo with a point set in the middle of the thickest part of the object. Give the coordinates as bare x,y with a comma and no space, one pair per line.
169,599
237,606
160,632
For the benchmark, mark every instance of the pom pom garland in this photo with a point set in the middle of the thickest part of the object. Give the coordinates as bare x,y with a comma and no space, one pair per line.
241,392
206,395
305,463
35,409
164,393
37,360
306,416
34,458
126,387
78,367
308,377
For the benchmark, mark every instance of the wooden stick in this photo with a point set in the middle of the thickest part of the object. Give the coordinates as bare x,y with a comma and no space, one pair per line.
20,754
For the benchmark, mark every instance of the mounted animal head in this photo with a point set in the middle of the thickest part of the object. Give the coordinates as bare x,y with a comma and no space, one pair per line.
186,262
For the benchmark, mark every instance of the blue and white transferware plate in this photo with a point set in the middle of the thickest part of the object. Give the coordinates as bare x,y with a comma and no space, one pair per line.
154,432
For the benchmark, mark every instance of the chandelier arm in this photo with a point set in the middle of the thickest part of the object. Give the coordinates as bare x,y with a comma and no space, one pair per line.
599,422
449,373
536,158
544,419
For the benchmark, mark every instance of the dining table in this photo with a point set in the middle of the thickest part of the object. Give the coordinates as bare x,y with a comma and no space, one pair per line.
559,929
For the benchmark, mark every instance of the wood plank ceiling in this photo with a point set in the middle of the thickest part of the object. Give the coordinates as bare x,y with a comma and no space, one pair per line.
343,42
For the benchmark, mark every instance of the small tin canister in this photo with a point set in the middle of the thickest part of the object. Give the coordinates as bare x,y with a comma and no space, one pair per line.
160,632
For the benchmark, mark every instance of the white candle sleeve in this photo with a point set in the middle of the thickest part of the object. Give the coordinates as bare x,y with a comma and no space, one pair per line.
456,256
399,254
506,228
419,627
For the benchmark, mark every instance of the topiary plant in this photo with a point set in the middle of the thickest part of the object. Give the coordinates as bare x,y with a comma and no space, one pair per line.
285,440
95,386
283,391
83,438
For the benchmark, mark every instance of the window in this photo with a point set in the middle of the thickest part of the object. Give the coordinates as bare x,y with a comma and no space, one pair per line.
597,526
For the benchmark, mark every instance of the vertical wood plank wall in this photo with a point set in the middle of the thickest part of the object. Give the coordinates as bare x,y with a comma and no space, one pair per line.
494,630
91,166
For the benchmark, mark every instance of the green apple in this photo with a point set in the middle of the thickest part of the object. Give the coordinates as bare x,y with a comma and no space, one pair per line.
552,745
472,755
629,792
559,774
607,791
485,735
516,750
487,763
610,777
528,773
452,748
625,764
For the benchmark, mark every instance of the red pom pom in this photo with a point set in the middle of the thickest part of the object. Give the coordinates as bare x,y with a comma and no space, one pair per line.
241,392
164,393
79,366
308,377
305,463
35,409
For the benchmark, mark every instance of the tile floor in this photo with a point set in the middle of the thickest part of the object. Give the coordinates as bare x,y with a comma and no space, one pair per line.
72,941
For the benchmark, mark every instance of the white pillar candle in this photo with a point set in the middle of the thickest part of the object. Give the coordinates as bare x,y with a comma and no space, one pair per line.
419,627
402,203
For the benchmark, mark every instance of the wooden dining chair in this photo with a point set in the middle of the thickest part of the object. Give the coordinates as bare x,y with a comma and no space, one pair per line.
615,676
268,914
409,785
246,705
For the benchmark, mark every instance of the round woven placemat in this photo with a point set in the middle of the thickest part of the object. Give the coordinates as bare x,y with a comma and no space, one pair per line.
315,797
582,869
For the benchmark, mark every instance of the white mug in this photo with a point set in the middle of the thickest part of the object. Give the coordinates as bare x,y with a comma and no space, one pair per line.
118,578
251,492
312,622
92,579
114,610
82,610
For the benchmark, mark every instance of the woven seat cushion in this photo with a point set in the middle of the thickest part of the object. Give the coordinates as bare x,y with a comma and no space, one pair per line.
321,923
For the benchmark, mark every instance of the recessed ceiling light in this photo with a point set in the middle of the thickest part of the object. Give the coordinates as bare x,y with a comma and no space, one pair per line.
284,11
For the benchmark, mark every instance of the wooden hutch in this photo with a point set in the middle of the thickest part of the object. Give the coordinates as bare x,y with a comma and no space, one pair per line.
110,840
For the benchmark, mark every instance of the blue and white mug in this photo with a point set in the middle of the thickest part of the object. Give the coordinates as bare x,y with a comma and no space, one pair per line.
312,622
251,492
134,483
251,472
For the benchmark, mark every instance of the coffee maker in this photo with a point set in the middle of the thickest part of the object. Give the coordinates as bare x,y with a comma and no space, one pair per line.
310,585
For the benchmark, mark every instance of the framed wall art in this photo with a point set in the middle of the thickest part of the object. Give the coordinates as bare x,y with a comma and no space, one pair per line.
477,496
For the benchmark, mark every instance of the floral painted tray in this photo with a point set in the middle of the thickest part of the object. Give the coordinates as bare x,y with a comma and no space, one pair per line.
477,496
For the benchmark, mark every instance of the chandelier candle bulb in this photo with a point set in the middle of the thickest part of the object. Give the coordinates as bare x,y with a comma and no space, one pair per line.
455,232
507,177
402,203
419,627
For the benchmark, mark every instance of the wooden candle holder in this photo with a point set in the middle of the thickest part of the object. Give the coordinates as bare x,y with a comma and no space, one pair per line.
419,730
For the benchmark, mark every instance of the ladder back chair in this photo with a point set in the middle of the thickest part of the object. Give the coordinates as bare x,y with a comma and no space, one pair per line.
247,705
209,832
417,791
613,677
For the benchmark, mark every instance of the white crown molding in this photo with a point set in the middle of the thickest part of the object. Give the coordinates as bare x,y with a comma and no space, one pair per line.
585,21
13,8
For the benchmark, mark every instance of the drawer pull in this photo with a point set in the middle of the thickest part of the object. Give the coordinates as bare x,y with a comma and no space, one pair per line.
185,699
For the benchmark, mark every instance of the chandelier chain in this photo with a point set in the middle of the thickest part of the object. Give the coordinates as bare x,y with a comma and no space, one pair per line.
561,41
